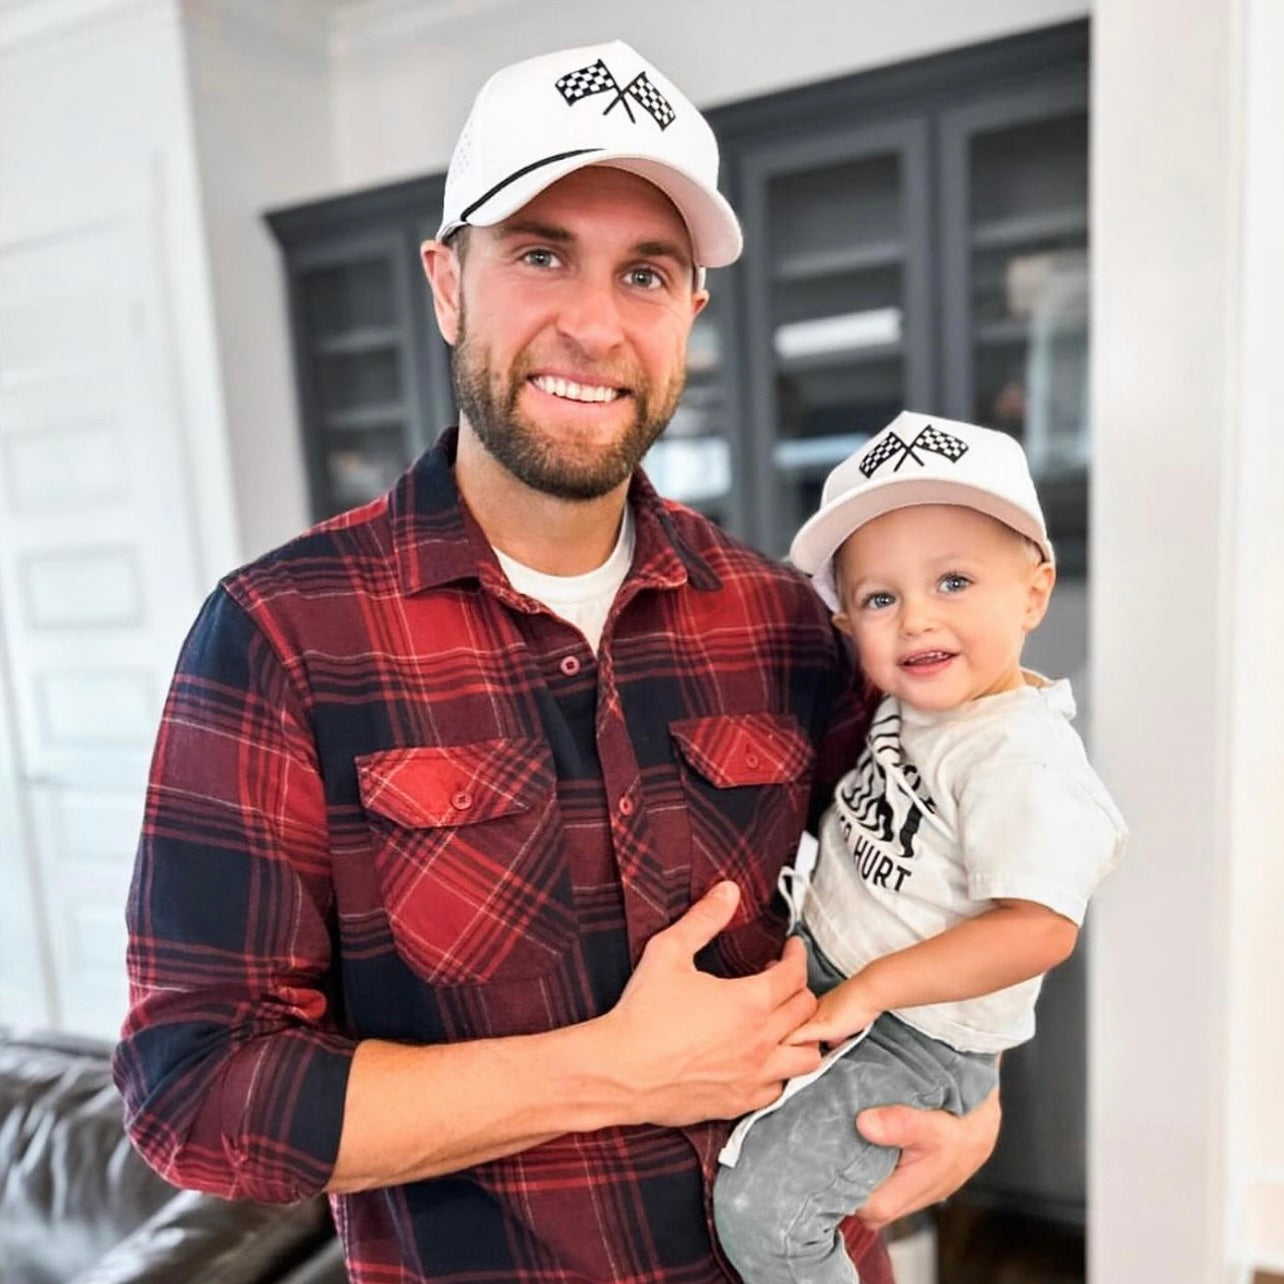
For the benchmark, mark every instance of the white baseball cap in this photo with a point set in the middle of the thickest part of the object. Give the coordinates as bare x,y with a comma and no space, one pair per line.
539,120
919,459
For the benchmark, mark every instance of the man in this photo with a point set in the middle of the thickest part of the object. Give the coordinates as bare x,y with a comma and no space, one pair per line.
450,793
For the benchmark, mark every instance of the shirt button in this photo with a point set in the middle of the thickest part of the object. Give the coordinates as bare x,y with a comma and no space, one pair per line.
570,666
626,805
461,800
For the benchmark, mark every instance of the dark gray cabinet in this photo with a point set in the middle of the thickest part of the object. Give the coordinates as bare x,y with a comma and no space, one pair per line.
915,237
371,372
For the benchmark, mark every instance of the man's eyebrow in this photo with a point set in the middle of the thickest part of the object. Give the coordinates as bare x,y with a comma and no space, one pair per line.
663,250
540,231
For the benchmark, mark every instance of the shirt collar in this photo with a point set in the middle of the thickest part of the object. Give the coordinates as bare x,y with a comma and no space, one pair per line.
437,541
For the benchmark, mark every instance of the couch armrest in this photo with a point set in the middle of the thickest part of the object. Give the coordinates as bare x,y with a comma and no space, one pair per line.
327,1267
196,1237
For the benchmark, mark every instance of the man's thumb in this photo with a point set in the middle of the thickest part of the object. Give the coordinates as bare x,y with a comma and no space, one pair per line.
890,1125
706,918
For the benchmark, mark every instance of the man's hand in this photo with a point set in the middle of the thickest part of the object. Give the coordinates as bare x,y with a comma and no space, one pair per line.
690,1046
841,1012
939,1152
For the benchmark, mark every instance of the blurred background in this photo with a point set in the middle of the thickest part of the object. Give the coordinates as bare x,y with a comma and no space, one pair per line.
1054,217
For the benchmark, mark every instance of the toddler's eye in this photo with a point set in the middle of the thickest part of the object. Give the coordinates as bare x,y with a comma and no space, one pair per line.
954,583
877,601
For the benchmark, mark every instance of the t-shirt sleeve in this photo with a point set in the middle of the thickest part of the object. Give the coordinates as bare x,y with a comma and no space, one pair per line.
1035,832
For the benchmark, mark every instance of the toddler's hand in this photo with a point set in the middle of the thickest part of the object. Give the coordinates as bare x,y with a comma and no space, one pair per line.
846,1010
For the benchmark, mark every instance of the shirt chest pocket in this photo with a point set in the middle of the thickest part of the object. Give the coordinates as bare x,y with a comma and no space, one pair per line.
747,780
466,841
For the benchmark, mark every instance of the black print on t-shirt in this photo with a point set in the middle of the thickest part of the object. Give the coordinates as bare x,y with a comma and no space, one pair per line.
880,829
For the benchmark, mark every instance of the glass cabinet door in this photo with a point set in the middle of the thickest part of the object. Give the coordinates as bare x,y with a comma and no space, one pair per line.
692,462
358,367
837,294
1015,287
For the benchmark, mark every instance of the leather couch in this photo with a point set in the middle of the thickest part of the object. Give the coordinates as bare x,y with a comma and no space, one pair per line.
78,1204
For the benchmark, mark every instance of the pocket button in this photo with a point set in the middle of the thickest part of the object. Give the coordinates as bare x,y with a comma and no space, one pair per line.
461,800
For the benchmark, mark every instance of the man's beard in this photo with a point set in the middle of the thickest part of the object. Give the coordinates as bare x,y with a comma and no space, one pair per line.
488,398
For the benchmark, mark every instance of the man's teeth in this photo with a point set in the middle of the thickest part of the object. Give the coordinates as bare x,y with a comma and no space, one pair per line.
573,391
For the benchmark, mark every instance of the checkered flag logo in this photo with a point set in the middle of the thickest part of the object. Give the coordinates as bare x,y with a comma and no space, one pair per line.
881,453
596,78
930,439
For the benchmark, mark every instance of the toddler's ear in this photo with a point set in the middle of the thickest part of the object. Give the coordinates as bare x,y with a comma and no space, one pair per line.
1042,578
842,623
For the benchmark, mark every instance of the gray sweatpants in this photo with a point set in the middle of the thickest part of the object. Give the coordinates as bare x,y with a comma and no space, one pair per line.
805,1167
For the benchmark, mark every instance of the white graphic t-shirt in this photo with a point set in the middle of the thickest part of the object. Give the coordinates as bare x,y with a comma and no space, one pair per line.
946,812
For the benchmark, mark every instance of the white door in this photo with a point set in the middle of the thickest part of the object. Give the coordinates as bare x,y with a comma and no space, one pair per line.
98,580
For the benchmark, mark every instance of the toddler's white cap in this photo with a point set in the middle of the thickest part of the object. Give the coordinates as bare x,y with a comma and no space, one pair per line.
919,459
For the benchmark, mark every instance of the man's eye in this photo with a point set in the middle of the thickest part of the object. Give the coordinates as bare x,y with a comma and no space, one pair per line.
645,278
539,258
954,583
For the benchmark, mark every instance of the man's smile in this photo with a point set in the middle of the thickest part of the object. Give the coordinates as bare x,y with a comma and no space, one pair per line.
572,390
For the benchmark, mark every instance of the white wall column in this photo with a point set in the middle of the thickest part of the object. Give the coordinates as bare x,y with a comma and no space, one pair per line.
1187,1132
261,117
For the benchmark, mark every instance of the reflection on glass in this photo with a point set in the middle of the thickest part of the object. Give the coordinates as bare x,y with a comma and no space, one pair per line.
1030,288
837,320
1029,305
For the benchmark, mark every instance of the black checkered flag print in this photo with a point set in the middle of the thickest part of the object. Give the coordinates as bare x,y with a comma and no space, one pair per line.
593,79
597,78
890,446
940,443
930,439
652,101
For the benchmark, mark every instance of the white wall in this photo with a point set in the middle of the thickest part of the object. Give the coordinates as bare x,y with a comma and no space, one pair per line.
1256,1058
1187,1129
406,72
115,497
260,102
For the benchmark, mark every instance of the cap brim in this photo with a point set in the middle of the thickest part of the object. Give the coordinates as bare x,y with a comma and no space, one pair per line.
715,231
822,534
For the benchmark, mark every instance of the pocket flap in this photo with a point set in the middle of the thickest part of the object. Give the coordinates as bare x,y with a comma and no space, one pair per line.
425,788
744,748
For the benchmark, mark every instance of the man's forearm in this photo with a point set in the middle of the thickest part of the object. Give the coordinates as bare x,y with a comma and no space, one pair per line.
417,1112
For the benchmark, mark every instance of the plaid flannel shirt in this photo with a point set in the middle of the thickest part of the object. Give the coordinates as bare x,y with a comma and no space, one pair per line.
394,798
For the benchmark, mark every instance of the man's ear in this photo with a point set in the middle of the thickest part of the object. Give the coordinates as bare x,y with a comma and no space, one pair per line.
1042,578
443,270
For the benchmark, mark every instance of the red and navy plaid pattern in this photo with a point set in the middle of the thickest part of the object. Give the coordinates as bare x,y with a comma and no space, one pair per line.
394,798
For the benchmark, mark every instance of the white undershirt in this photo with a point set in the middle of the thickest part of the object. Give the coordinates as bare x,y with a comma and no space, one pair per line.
582,600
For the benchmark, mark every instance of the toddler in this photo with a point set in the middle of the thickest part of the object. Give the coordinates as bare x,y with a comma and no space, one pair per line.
957,858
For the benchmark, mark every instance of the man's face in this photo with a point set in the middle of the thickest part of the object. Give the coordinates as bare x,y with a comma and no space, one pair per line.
571,330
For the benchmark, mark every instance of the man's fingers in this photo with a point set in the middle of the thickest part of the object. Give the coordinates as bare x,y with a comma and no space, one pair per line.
786,1017
901,1126
939,1152
703,921
786,1062
784,978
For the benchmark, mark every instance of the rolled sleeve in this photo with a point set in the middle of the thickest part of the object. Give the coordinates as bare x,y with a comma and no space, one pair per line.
231,1065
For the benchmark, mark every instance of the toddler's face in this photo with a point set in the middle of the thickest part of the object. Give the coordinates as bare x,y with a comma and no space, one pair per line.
939,599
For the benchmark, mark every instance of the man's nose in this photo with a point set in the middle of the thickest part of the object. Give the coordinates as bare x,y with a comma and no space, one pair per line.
589,316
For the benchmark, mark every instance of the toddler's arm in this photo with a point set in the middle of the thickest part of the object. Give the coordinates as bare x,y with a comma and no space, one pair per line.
1012,942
